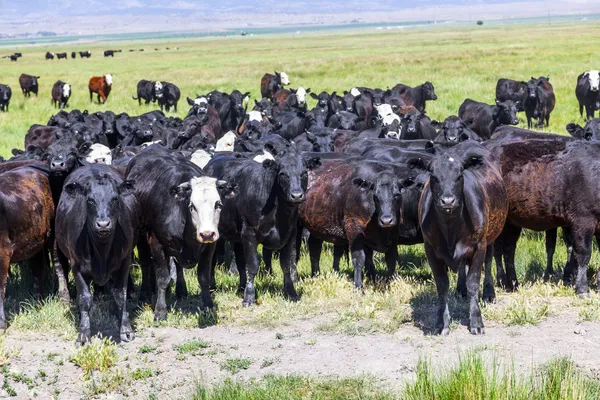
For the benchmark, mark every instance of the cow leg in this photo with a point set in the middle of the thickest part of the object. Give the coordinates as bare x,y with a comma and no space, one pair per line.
240,260
268,260
391,257
369,264
119,292
461,283
440,274
84,301
582,250
5,255
250,250
163,278
61,263
314,250
338,253
357,249
581,110
550,249
511,237
204,275
180,285
175,107
287,260
473,283
91,96
39,264
489,293
144,253
569,266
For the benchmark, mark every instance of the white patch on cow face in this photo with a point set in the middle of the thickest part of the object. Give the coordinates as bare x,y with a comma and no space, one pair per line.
354,92
99,154
265,155
66,90
387,114
205,207
158,87
594,77
108,79
255,116
226,142
200,158
451,159
301,95
201,103
285,80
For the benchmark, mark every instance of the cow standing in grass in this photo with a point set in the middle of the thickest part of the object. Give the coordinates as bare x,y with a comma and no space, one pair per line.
100,85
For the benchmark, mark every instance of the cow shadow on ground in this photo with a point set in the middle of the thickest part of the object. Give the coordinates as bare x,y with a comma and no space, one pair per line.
425,306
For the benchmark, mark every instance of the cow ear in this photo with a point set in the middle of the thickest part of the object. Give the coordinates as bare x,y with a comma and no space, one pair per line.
190,101
314,96
575,130
345,92
292,90
313,163
126,188
473,161
181,192
523,83
333,94
270,148
407,182
255,102
417,163
246,96
269,164
308,90
227,191
73,188
430,147
463,137
362,184
437,125
497,102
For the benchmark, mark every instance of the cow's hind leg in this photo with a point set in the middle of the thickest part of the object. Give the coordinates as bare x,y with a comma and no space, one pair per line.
357,249
489,293
119,292
5,255
314,249
181,290
550,249
473,282
287,260
582,250
204,274
163,278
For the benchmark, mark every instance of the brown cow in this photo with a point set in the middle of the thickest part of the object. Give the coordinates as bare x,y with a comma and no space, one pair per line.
100,85
25,223
269,84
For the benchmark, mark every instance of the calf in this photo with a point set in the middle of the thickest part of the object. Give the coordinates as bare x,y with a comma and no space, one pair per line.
61,55
61,92
454,130
538,101
591,131
416,125
97,222
145,91
167,95
318,141
346,120
25,223
462,211
5,95
416,96
269,84
182,210
508,89
29,84
100,85
483,119
588,93
266,212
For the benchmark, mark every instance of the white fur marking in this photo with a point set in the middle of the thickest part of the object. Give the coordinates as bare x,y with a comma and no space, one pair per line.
301,95
259,158
200,158
108,79
205,214
594,78
285,80
354,92
66,90
226,142
99,154
255,116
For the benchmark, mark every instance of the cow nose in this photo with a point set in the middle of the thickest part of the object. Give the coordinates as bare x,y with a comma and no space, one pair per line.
386,220
57,164
434,97
411,130
448,202
100,161
207,237
515,121
297,196
102,224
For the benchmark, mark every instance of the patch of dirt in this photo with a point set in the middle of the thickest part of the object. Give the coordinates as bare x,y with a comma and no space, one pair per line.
296,349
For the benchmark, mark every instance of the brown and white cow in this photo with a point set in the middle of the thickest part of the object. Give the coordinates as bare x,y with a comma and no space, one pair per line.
100,85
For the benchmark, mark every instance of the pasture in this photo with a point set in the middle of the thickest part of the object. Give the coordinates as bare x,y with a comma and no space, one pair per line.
335,342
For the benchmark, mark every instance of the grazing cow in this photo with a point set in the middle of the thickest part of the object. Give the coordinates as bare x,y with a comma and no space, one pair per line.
61,92
483,119
49,56
266,211
416,96
550,184
108,53
73,54
13,57
462,211
29,84
97,222
5,95
591,131
61,55
181,208
354,203
100,85
539,101
454,130
145,91
25,223
85,54
508,89
167,95
588,93
416,125
269,84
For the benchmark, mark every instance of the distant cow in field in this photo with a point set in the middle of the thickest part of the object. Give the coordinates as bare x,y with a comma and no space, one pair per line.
61,92
29,84
483,119
13,57
508,89
61,56
588,93
167,95
416,96
49,56
539,101
269,84
73,54
109,53
85,54
5,95
100,85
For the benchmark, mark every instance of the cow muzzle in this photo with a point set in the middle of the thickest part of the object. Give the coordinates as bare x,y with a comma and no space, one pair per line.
207,237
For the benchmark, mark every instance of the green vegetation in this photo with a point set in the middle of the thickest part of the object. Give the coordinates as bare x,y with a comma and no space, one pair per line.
191,346
98,355
235,365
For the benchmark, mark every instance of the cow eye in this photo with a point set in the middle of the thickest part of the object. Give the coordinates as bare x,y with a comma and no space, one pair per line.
192,207
218,205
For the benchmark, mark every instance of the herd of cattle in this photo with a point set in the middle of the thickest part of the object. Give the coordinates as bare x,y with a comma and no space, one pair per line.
82,54
366,171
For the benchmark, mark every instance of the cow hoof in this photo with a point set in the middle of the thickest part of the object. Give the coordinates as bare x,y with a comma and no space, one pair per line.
83,337
444,331
64,297
160,316
584,295
3,325
127,336
489,295
246,304
477,330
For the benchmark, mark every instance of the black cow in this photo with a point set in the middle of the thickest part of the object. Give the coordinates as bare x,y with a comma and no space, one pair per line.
61,55
416,96
145,91
416,125
483,119
317,140
49,56
5,95
539,101
354,102
108,53
230,113
346,120
290,124
588,93
591,131
454,130
266,212
61,92
167,95
97,222
264,106
73,54
508,89
85,54
29,84
462,211
181,208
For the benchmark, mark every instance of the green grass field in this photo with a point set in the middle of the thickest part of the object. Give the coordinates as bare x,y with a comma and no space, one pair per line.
461,63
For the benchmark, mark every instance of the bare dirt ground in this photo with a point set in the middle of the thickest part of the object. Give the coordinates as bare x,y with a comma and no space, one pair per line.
298,348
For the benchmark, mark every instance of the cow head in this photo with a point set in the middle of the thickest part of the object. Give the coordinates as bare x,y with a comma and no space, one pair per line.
344,120
594,79
377,96
227,142
505,112
591,131
203,196
265,106
199,105
428,91
322,99
454,130
348,100
108,79
63,157
66,90
411,123
283,78
386,192
158,89
531,88
322,142
386,114
98,154
292,173
446,180
301,96
393,130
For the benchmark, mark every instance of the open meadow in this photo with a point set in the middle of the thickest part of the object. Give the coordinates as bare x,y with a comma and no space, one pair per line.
336,342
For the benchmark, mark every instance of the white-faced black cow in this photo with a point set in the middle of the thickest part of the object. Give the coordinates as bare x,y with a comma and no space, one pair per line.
588,93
